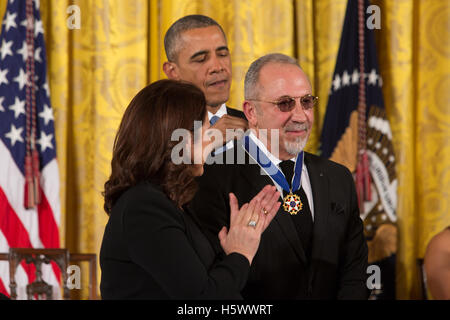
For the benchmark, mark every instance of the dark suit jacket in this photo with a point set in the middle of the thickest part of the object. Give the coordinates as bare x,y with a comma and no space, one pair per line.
236,113
280,270
153,250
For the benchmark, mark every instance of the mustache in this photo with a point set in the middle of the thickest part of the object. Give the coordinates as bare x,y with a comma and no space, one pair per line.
296,126
214,80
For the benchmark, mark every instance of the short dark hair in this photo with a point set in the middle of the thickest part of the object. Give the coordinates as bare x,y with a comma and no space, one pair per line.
186,23
142,147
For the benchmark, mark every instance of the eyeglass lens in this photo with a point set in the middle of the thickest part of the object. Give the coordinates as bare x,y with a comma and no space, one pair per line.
287,104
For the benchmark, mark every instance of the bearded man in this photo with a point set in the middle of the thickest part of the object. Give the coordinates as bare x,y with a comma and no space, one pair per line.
315,247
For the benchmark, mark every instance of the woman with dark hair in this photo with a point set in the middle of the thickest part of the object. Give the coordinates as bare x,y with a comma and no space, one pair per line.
152,247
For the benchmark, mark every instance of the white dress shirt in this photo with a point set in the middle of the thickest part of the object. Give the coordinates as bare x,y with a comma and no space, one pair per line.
219,113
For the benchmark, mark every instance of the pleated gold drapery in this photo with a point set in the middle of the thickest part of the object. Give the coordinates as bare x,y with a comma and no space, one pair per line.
96,70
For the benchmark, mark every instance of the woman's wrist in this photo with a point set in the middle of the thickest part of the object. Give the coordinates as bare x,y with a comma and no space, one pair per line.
247,256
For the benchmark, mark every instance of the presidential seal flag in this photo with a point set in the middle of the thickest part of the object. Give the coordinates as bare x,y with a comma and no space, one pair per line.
29,180
357,134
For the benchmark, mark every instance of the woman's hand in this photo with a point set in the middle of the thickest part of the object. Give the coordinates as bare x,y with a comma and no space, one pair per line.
248,223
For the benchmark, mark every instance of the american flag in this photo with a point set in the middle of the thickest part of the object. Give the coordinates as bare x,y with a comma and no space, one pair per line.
25,111
356,133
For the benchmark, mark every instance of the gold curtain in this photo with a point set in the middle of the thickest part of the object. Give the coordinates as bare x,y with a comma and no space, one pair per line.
96,70
414,54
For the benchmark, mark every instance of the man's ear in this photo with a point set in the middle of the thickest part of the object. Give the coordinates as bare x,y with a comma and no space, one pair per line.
171,71
250,113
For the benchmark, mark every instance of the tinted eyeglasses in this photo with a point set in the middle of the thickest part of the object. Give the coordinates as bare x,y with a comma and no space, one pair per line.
286,104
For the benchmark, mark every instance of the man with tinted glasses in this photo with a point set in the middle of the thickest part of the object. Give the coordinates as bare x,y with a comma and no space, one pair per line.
315,247
197,52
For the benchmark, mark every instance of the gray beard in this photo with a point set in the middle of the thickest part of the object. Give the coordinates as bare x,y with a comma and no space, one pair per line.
295,147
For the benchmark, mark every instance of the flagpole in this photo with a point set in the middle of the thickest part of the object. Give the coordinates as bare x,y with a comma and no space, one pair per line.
32,187
362,168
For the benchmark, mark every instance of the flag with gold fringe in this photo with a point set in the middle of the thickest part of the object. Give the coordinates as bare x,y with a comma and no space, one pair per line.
357,134
29,178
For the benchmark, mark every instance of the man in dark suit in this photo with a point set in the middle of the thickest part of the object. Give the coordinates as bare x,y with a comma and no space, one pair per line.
197,52
315,247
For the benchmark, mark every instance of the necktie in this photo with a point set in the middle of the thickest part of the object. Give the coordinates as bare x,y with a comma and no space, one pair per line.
303,219
213,119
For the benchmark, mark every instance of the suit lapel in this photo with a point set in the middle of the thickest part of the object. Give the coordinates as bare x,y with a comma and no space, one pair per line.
236,113
251,170
285,222
321,199
282,218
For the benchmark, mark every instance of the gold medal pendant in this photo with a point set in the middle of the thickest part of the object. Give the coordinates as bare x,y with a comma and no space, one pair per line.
292,203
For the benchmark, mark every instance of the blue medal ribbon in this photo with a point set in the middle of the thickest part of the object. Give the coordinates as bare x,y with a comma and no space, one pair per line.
271,169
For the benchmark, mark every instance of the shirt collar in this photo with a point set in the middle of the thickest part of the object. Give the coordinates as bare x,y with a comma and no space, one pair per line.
264,149
222,110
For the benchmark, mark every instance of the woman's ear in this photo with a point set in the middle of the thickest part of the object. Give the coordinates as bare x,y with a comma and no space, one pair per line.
250,113
171,70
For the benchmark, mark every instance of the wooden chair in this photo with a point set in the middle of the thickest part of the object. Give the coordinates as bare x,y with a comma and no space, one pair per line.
61,257
4,257
38,256
91,258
